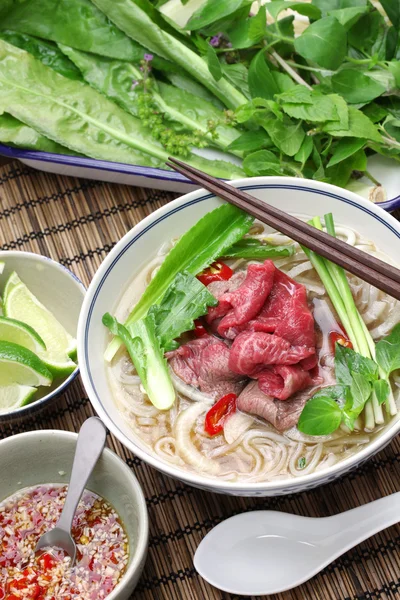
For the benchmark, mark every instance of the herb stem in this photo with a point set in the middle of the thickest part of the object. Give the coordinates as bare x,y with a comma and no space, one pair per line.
391,142
308,68
293,74
372,178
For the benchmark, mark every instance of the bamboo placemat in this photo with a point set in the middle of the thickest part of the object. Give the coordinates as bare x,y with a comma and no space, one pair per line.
77,222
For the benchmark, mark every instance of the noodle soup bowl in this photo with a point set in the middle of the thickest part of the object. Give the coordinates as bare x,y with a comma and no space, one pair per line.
139,246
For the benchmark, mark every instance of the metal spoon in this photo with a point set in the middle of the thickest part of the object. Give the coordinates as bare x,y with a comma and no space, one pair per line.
91,440
267,552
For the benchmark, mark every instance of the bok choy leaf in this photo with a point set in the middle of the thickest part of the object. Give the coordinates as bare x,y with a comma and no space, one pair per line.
185,300
145,351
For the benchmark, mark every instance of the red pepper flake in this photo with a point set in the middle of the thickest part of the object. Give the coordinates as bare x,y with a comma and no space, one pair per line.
218,271
219,413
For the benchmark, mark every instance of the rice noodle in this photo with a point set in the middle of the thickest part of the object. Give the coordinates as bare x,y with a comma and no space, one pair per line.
189,391
185,448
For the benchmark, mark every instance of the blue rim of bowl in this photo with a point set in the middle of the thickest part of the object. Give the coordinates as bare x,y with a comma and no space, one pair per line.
37,405
183,475
123,168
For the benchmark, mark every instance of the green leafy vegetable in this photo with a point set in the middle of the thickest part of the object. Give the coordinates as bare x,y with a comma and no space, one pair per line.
388,352
345,148
47,52
76,23
213,63
359,126
250,141
245,33
185,300
323,42
134,21
210,11
147,355
381,390
348,16
348,362
15,133
253,249
303,8
320,416
287,135
262,83
355,87
207,240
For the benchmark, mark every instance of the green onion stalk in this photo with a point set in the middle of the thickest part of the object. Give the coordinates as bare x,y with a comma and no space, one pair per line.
337,286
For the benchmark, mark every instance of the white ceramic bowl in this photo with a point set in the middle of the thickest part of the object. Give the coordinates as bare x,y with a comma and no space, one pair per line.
41,457
61,292
138,246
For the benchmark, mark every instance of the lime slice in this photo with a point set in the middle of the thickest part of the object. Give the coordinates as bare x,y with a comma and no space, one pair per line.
20,365
19,303
19,333
14,396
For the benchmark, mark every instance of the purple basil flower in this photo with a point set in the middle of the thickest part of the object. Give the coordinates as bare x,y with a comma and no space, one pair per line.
134,84
215,41
148,57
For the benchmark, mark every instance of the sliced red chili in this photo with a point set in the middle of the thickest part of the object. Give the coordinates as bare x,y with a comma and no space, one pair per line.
219,413
199,329
218,271
2,593
339,338
46,561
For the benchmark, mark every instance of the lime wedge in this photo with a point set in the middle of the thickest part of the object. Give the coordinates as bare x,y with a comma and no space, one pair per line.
14,396
19,303
20,365
19,333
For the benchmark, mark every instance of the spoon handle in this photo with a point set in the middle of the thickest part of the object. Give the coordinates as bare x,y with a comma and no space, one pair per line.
354,526
91,441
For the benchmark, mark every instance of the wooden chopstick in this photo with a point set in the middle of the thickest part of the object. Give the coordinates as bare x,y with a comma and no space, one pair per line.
370,269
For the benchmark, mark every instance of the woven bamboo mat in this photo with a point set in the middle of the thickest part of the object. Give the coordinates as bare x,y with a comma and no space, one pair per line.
77,222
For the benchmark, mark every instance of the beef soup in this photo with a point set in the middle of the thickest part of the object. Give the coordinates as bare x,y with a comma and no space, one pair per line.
270,345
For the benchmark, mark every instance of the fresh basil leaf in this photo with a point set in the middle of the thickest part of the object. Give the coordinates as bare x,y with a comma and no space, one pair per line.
348,362
324,42
306,148
381,390
338,392
392,9
340,173
303,8
245,34
255,250
250,141
185,300
348,16
262,162
287,135
211,11
394,67
238,75
203,243
262,83
145,351
214,65
360,390
299,94
345,148
321,109
359,126
355,87
392,43
388,352
342,110
327,5
47,52
320,416
368,35
392,127
375,112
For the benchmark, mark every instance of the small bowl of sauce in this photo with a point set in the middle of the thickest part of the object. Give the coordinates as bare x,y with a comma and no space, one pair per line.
110,526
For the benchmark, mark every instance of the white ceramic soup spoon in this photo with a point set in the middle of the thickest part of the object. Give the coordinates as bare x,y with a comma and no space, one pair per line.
267,552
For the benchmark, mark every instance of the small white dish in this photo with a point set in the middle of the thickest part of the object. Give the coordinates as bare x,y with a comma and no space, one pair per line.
138,246
61,292
44,457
